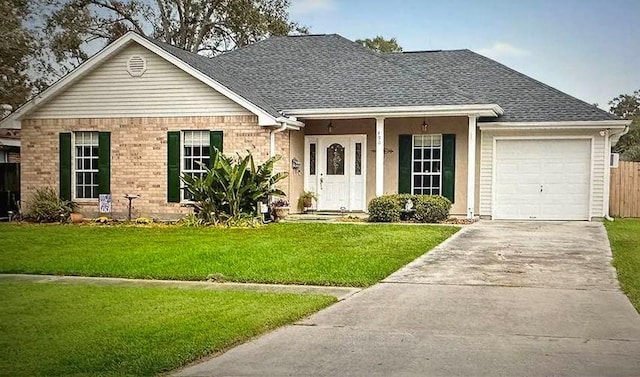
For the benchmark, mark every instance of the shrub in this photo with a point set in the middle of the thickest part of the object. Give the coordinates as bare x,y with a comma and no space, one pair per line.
431,208
230,189
384,209
46,207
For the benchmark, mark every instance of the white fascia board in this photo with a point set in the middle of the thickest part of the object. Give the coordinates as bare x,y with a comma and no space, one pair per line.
10,142
264,118
290,122
488,110
598,124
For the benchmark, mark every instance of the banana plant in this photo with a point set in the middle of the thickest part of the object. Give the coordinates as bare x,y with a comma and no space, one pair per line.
231,187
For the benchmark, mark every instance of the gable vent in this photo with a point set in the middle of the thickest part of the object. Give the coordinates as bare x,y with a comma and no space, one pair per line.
136,65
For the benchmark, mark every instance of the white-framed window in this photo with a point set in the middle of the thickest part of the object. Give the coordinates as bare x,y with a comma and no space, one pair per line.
85,167
426,166
196,150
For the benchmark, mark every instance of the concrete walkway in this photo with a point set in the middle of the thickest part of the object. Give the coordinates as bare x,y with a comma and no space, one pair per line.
340,293
498,299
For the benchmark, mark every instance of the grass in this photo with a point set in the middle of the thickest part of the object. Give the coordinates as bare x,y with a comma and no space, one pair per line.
323,254
69,329
624,235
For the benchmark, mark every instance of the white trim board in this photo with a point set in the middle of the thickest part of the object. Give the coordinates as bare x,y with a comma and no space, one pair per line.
602,124
485,110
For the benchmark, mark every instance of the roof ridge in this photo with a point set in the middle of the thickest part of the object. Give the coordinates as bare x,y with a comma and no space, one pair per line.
531,79
410,71
430,51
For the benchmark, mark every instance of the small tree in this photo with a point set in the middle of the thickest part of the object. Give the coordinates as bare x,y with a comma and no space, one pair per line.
380,44
232,186
627,106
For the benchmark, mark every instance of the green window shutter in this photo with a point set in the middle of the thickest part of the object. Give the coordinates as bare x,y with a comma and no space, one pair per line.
404,164
449,166
104,163
65,166
215,141
173,166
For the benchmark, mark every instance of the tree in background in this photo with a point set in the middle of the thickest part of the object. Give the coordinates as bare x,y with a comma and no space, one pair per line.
380,44
627,106
16,46
42,40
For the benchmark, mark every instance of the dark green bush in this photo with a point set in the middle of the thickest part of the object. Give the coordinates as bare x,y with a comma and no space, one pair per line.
46,207
431,208
384,209
426,208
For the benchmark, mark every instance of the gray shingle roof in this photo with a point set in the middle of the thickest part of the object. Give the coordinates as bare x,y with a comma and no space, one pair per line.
329,71
522,98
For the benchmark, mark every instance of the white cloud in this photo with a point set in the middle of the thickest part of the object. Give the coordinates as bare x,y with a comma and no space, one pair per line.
502,50
310,6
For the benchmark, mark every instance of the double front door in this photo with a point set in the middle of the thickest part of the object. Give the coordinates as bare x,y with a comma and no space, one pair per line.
336,171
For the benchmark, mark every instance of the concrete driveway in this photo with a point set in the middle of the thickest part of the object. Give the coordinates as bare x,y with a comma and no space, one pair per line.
497,299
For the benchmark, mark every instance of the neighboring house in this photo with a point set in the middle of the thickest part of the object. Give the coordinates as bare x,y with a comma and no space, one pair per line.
9,145
9,171
360,124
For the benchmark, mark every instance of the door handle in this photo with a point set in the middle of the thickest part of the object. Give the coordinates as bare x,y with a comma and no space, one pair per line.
541,188
321,180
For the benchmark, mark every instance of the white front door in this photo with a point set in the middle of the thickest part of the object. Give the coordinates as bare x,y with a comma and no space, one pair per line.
335,171
542,179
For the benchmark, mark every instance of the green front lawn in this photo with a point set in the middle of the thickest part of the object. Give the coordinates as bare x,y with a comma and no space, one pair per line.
324,254
624,235
80,330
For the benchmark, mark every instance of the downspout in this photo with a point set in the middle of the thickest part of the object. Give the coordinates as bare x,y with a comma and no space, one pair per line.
272,138
609,136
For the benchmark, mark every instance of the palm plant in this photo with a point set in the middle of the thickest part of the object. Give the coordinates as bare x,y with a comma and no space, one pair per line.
232,186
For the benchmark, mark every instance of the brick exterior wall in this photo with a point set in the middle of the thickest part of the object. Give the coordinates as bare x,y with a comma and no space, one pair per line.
138,156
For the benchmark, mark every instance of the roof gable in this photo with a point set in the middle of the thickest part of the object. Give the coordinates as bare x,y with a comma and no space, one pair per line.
162,89
12,121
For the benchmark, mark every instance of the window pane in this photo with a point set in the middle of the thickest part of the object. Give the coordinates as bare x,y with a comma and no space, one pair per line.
358,158
436,154
335,159
312,159
436,181
417,154
417,181
426,154
417,166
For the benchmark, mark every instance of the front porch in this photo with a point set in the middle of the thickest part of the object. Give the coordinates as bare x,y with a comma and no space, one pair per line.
348,162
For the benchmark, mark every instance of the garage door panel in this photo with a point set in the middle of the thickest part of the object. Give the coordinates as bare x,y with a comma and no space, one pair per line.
545,179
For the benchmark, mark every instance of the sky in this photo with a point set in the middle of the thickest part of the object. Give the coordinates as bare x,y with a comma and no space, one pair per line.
587,48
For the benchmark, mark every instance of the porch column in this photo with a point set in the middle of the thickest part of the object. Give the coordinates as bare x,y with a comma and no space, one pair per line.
471,168
379,156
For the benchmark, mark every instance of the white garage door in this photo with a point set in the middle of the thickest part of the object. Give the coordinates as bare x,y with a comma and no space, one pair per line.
542,179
